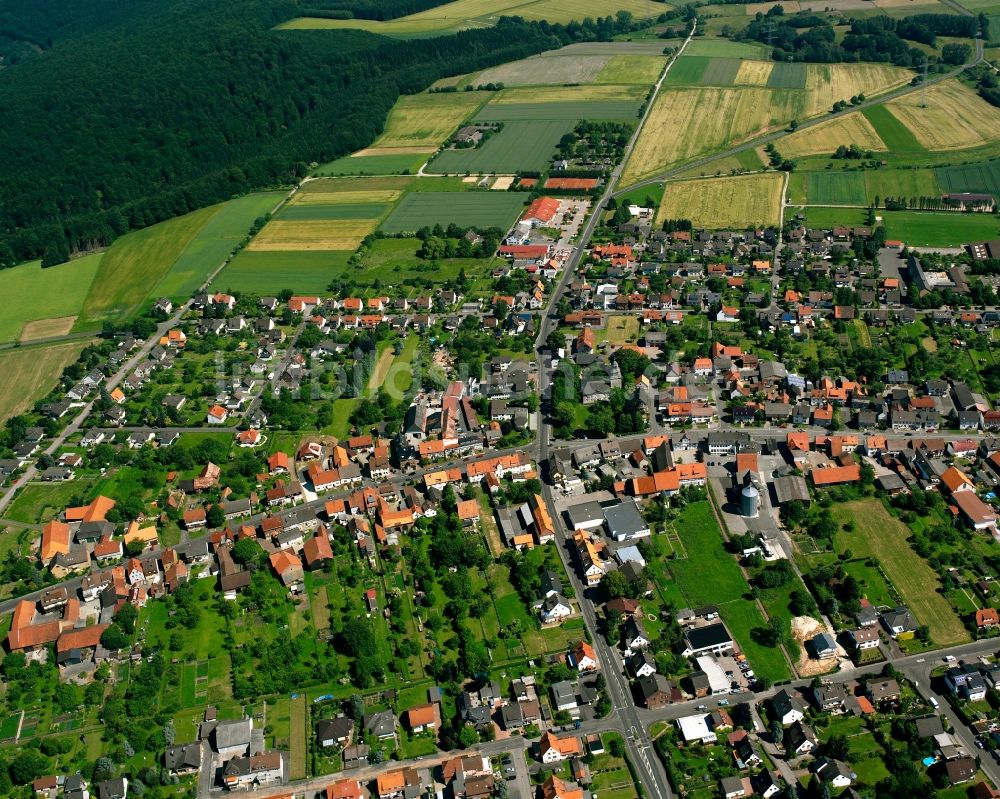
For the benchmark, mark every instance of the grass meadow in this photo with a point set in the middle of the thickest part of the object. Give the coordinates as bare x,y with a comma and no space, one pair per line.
272,272
879,535
32,293
31,372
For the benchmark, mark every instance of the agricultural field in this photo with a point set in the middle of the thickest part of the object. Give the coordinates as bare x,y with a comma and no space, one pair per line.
983,177
628,68
694,70
519,146
553,68
724,48
32,372
313,234
383,163
272,272
33,294
688,122
463,14
725,202
879,535
171,258
954,117
824,139
215,241
477,209
897,138
861,187
426,120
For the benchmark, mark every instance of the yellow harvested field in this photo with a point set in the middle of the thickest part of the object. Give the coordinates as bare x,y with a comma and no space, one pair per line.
826,138
955,117
325,234
727,202
392,151
632,68
346,197
46,328
686,123
827,83
754,73
570,94
427,120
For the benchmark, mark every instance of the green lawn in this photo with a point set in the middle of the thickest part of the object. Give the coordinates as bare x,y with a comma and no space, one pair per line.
40,502
393,261
878,534
742,618
32,293
874,586
708,574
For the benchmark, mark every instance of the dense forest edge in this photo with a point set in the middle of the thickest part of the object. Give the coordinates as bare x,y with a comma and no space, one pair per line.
175,106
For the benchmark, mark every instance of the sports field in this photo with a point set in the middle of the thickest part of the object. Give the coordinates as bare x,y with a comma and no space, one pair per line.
312,234
476,209
519,146
427,120
954,117
824,139
463,14
393,163
272,272
32,293
32,372
726,202
879,535
941,229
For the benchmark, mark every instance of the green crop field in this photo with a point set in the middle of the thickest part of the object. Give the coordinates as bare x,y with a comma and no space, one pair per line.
214,242
32,372
879,535
632,68
983,177
306,211
519,146
136,263
723,48
787,76
32,293
568,111
721,72
271,272
390,164
477,209
836,188
941,229
688,70
897,137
